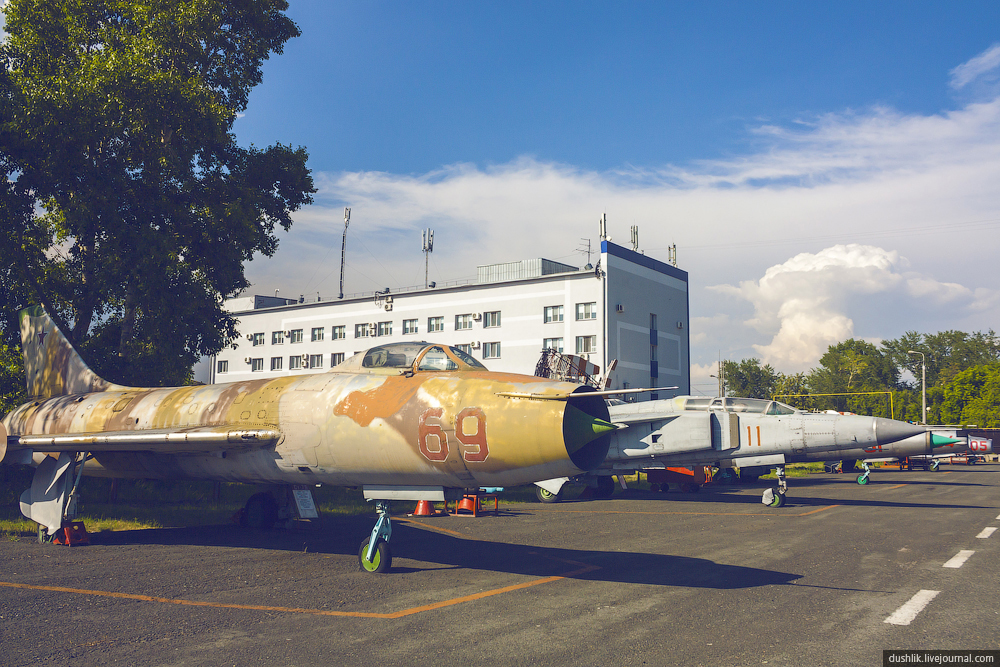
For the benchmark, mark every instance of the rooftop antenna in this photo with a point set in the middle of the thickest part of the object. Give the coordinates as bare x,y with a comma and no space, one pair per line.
428,238
343,250
604,226
635,238
585,248
672,254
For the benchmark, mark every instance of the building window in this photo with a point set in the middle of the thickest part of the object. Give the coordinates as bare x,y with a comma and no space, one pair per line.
316,334
222,366
338,333
295,336
586,344
463,322
257,365
315,361
257,339
294,362
409,326
467,347
385,328
276,363
586,311
491,319
553,314
361,331
336,358
491,350
435,324
553,344
277,338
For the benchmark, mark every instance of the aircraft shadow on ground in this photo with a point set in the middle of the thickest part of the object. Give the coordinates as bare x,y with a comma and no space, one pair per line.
343,535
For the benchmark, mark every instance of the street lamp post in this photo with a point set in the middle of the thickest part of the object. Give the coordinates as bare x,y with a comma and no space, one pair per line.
923,383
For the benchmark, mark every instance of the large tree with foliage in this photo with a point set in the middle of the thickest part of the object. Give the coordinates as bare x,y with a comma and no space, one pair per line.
130,207
750,378
947,353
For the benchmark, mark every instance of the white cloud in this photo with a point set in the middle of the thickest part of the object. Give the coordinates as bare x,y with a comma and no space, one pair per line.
986,62
805,303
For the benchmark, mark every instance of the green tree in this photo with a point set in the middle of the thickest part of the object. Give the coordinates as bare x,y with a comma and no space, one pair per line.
854,366
947,353
749,378
973,397
116,132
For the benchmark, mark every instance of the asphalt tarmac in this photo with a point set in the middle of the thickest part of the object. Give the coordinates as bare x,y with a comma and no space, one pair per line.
712,578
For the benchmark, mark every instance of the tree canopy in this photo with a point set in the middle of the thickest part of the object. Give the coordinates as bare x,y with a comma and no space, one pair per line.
130,208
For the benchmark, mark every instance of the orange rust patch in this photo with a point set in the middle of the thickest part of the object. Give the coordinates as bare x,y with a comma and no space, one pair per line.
381,402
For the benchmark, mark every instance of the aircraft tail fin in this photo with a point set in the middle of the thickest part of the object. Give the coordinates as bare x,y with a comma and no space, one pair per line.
51,366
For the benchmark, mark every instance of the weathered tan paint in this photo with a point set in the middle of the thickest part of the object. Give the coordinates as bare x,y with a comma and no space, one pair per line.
349,426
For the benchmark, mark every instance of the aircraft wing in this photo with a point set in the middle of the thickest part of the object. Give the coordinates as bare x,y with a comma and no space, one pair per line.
196,440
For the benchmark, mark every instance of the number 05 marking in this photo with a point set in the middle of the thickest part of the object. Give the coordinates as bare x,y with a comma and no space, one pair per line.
432,439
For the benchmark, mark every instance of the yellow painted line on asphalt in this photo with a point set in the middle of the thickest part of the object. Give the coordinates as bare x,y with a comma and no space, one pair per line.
895,487
581,569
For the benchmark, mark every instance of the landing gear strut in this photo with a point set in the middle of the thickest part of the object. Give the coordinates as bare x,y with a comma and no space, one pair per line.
374,554
775,496
863,477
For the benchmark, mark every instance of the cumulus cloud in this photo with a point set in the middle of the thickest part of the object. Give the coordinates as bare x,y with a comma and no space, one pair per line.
805,303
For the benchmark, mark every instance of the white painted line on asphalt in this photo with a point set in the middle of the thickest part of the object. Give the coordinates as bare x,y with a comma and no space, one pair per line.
998,516
986,532
905,614
959,559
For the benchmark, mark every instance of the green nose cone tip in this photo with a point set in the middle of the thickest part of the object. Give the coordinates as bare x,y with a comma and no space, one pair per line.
941,441
579,428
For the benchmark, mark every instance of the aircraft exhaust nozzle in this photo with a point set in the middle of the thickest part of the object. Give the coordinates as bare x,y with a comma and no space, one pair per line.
888,431
586,435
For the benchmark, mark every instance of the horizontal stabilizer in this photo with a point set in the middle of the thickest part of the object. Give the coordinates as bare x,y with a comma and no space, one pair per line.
168,441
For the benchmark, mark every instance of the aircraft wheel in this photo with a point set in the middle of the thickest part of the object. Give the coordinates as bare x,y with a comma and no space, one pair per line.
381,560
772,497
935,466
605,487
260,512
547,496
725,476
863,479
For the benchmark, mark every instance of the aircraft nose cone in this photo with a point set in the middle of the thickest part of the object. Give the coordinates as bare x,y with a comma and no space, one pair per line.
890,430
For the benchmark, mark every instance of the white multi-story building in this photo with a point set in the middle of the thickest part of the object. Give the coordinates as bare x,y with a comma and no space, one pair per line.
629,307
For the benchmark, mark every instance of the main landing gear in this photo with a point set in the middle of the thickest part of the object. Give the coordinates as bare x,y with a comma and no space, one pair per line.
775,496
374,554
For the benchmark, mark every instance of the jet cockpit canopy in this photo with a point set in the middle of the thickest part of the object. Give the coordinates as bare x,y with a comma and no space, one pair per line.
394,358
759,406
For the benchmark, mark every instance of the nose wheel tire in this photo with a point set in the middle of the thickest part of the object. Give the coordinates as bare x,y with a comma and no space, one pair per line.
862,479
773,498
381,558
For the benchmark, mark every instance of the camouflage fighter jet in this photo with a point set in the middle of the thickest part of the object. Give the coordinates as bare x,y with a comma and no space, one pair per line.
752,434
405,421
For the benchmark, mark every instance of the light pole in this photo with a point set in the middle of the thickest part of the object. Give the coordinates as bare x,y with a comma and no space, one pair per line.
923,383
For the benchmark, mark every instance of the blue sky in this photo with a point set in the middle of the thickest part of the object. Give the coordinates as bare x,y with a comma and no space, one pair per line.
407,87
827,170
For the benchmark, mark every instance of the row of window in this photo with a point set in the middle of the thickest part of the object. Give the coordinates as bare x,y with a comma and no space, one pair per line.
584,345
463,322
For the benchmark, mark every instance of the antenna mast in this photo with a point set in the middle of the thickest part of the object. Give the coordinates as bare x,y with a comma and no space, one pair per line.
428,236
343,250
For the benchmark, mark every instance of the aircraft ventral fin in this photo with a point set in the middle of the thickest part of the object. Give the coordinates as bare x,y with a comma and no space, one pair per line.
166,441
